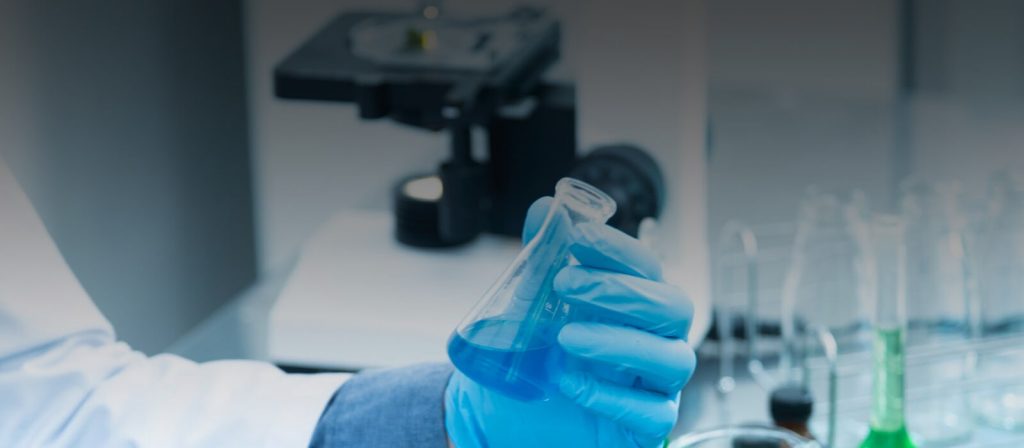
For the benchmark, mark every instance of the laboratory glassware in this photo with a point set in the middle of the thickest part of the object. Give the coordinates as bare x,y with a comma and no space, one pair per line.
886,280
507,343
822,288
791,407
744,436
1001,271
938,309
735,291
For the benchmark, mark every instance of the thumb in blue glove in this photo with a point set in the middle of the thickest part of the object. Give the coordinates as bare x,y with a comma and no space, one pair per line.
627,358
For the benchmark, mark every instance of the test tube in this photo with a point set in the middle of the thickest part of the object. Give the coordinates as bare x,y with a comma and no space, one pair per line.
886,276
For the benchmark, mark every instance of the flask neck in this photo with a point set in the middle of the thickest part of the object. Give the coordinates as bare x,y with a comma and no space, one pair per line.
575,203
583,202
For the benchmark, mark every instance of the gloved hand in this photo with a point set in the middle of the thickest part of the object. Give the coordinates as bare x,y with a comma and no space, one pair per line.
629,358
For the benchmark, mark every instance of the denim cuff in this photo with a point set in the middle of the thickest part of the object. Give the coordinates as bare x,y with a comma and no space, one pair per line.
395,408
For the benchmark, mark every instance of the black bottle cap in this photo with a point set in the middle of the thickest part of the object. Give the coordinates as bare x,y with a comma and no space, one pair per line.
791,403
754,442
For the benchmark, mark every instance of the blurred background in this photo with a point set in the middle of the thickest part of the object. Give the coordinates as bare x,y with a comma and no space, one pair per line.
182,190
153,128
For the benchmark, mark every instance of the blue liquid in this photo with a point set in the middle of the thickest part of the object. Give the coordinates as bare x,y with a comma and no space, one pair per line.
484,353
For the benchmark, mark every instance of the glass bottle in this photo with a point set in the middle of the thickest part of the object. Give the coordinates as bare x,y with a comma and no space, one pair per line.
791,407
1001,284
886,280
938,310
822,287
508,341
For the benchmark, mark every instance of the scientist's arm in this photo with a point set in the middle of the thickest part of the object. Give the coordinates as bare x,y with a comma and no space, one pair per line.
66,381
631,362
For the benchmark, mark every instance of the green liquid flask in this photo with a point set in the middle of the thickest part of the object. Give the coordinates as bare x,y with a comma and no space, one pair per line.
886,275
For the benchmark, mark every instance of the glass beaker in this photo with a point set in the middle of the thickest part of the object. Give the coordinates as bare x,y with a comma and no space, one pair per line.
822,287
1001,272
744,437
507,343
938,310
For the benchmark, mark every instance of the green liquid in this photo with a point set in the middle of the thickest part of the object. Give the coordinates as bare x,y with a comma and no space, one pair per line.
898,439
888,426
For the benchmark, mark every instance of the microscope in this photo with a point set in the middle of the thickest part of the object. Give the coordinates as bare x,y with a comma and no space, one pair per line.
455,75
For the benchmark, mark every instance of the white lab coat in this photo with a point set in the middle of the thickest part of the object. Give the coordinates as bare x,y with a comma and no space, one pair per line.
66,381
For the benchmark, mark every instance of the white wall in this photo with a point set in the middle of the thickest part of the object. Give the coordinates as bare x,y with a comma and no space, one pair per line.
125,123
969,111
802,93
641,72
839,48
805,92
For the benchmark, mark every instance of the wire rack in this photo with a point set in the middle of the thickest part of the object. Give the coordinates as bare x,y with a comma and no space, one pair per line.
944,385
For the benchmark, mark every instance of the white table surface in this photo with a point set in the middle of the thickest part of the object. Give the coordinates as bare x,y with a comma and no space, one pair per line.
357,298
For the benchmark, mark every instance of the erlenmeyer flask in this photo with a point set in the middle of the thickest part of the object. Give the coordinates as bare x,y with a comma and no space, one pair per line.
508,342
823,285
1001,271
937,310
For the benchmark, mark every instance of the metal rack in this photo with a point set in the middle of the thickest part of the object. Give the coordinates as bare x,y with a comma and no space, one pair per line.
750,264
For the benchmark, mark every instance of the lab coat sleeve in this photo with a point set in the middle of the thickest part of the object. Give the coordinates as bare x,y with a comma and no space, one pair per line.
66,381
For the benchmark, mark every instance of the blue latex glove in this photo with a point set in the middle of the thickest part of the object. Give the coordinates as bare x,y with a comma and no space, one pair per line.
628,360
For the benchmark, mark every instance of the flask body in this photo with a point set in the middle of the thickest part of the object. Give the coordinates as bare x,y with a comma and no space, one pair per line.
508,343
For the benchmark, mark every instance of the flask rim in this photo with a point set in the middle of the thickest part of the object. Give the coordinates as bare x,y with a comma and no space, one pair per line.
584,198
